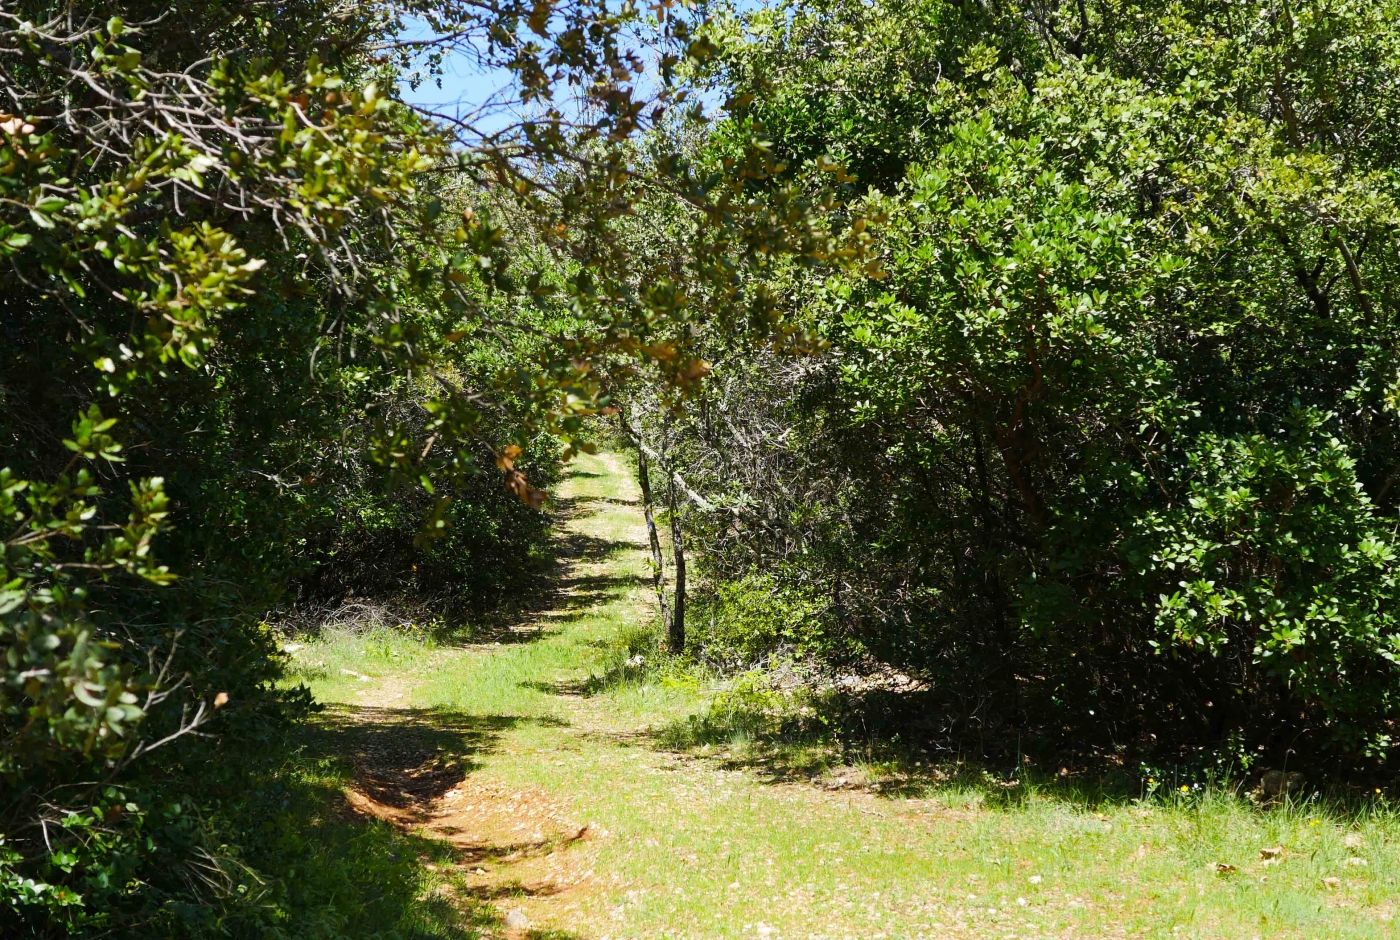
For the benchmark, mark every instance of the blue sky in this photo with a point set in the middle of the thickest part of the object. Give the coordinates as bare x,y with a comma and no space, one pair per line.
464,86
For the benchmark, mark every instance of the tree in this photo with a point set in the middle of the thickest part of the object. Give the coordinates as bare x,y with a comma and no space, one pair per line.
1109,424
249,294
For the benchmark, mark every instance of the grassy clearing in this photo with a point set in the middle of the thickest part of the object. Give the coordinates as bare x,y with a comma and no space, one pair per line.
720,835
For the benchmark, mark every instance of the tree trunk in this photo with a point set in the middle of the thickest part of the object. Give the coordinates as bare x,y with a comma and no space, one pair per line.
676,634
993,544
658,571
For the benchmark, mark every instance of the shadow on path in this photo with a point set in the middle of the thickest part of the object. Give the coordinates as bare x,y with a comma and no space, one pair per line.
413,767
564,588
405,758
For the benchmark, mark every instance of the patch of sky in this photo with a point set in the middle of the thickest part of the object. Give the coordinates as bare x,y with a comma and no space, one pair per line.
449,80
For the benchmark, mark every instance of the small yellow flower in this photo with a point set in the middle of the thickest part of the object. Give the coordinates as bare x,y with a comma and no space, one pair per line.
1185,788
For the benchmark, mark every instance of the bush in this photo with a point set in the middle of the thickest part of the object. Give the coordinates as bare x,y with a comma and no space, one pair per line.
758,620
1103,444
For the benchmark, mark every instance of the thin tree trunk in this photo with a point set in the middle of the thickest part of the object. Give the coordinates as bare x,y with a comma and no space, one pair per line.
658,571
676,633
992,546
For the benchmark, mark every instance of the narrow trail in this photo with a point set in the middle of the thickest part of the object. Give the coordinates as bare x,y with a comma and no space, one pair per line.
562,809
514,844
566,815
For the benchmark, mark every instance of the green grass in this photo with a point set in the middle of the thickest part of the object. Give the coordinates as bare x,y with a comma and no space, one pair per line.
716,834
341,663
342,875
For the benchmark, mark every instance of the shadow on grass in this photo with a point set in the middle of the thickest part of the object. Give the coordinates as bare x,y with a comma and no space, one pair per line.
559,592
831,743
629,658
335,871
405,756
613,501
912,741
596,684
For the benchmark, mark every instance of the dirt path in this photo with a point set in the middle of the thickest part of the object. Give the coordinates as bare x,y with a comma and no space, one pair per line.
505,751
515,846
570,814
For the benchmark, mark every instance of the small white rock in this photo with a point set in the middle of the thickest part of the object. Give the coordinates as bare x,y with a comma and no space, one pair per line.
516,919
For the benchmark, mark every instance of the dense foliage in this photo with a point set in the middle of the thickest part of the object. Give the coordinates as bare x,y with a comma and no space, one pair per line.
270,335
199,378
1102,448
1036,357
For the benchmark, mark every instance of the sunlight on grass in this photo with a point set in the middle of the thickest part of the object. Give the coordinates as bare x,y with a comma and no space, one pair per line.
340,663
715,821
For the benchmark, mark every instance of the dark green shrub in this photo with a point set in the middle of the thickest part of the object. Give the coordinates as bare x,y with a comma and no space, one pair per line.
1103,445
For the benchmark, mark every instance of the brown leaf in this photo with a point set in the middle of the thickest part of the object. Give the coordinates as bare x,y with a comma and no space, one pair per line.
696,369
517,484
1271,853
1222,868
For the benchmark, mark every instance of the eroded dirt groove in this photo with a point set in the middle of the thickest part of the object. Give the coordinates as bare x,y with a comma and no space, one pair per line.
413,765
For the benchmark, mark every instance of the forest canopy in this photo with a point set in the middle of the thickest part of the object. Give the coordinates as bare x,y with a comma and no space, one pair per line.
1042,355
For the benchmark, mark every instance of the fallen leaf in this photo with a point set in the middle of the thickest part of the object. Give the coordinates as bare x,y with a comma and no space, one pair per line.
1222,868
1271,853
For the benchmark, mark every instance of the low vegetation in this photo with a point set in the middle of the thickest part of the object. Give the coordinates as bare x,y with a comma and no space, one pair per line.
714,810
1010,391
